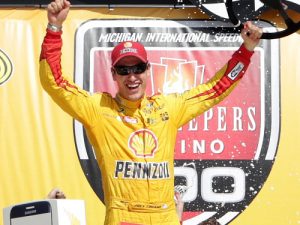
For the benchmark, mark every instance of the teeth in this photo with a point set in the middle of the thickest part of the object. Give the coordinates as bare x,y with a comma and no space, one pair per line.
132,85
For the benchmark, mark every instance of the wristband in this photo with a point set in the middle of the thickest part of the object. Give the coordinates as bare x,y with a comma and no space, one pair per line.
53,28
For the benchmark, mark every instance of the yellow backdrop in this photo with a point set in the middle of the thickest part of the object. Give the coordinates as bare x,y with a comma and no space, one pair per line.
36,137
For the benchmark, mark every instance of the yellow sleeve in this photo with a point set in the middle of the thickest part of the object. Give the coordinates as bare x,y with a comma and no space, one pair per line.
192,103
72,99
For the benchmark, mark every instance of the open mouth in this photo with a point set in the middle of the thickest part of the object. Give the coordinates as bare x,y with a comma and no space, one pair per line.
132,86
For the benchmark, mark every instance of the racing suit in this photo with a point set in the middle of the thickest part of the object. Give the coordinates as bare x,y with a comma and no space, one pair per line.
134,141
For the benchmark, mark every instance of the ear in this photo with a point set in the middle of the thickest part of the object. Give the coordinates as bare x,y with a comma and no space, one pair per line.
113,72
148,69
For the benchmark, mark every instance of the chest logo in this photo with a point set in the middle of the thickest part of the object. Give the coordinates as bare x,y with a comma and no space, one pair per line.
143,143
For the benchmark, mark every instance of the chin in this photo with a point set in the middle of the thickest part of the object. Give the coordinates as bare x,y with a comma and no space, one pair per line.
135,97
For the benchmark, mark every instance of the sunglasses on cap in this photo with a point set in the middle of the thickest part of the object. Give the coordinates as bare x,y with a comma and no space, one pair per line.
136,69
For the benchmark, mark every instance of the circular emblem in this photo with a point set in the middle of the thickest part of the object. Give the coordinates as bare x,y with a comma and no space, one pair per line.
6,67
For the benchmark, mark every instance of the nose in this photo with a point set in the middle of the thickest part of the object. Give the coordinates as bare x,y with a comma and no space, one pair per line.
131,75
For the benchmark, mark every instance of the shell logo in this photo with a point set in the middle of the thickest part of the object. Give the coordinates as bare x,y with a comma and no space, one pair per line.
143,143
6,67
127,44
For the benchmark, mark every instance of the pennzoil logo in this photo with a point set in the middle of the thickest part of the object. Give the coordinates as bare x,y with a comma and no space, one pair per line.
142,170
143,143
6,67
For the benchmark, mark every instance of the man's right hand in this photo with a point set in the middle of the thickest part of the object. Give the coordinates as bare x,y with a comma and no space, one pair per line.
58,11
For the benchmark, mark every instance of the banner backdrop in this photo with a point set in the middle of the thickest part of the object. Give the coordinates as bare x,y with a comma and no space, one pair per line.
244,151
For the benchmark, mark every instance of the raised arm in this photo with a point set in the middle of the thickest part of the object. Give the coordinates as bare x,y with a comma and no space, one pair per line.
72,99
194,102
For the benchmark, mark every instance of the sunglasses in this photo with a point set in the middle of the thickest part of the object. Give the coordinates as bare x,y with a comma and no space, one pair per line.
136,69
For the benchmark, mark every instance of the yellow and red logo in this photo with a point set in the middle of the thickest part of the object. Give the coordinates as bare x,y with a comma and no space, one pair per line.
6,67
127,44
143,143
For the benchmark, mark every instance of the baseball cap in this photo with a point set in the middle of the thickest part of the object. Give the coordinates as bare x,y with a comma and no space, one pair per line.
128,48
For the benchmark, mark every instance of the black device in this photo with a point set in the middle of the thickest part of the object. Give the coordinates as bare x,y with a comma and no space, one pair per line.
34,213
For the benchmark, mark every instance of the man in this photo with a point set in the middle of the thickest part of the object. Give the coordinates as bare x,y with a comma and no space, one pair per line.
133,135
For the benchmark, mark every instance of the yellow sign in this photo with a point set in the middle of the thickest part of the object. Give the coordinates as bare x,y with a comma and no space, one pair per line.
36,137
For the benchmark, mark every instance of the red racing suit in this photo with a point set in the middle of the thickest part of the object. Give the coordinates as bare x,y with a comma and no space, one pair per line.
134,141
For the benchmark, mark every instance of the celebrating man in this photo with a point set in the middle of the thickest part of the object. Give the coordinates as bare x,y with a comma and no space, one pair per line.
133,142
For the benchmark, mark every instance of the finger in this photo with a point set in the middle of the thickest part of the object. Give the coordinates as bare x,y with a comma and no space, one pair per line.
246,29
59,2
60,195
255,34
62,4
247,25
52,193
59,5
51,8
67,3
259,33
256,31
54,7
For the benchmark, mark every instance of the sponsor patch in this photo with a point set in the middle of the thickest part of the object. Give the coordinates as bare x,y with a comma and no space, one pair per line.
142,171
235,71
143,143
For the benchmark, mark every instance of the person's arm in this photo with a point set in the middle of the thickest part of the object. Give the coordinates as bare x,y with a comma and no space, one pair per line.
179,205
72,99
201,98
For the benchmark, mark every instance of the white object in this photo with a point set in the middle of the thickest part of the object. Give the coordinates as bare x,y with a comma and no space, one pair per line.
46,212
